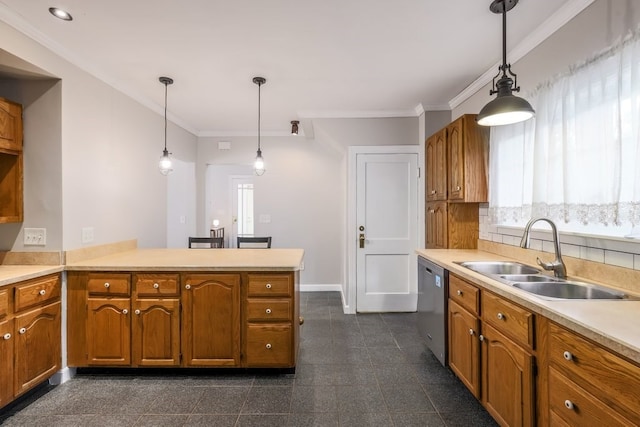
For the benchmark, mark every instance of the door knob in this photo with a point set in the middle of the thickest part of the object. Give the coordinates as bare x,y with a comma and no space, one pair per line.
361,240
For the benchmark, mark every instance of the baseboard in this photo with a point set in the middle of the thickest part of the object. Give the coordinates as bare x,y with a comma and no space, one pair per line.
62,376
321,288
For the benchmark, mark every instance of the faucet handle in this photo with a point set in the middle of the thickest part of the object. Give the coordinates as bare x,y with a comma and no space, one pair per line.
546,265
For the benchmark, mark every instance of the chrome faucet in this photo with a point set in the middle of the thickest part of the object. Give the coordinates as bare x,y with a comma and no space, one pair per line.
558,267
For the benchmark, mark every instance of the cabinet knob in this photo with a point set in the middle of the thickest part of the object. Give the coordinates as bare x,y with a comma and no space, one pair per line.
268,285
301,320
268,346
568,404
457,188
501,316
7,336
433,191
431,211
187,286
459,293
106,285
471,332
156,286
42,292
567,355
268,311
22,330
125,311
137,312
481,337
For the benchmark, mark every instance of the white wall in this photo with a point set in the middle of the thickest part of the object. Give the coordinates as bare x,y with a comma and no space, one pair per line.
304,189
107,154
596,28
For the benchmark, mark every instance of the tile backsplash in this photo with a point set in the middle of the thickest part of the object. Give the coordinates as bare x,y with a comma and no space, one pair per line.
611,251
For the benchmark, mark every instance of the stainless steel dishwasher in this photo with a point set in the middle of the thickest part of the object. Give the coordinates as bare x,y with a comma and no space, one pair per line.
433,282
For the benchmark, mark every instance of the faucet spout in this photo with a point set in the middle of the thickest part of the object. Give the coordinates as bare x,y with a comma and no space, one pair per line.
557,265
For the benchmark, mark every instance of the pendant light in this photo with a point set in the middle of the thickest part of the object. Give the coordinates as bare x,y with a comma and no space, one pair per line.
506,108
294,127
258,166
165,163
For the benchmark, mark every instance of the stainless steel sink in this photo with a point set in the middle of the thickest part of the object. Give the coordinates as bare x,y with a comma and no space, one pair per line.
527,278
499,267
569,290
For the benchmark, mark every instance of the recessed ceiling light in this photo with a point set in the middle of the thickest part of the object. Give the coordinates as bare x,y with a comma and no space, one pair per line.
60,14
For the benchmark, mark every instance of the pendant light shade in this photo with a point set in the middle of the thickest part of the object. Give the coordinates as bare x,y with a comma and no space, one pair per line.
258,166
507,108
165,164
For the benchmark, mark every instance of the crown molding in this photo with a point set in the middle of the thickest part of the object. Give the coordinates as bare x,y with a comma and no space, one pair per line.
559,18
248,133
356,114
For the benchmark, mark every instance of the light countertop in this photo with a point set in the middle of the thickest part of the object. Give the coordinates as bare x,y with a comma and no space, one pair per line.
195,260
612,323
10,274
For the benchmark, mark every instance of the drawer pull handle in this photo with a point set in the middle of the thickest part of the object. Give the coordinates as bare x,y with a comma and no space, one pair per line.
268,285
268,346
156,286
501,316
187,287
567,355
42,292
459,293
471,332
481,337
568,404
137,312
7,336
125,311
106,285
268,311
23,330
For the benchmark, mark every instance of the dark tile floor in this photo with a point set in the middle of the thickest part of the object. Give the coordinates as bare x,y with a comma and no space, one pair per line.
353,370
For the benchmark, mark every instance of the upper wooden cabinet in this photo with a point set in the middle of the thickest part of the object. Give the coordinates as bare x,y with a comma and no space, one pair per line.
11,169
10,125
436,158
468,156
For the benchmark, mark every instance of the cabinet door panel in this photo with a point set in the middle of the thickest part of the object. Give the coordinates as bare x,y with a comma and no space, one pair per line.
108,331
456,160
507,379
269,345
10,125
156,332
211,320
7,339
437,225
37,346
464,347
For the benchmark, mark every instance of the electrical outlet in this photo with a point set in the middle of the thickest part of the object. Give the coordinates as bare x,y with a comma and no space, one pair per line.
87,235
35,236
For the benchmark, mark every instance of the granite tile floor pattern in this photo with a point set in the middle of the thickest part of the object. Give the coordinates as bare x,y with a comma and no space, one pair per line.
353,370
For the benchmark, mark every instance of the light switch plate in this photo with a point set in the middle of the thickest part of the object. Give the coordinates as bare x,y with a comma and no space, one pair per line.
35,236
87,235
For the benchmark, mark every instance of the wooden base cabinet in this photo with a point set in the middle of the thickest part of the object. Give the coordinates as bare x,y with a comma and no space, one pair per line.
211,320
108,331
464,347
30,335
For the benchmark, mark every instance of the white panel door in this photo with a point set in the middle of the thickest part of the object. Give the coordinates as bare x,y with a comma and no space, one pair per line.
387,231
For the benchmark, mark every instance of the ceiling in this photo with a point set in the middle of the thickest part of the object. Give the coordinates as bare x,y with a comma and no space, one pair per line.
328,58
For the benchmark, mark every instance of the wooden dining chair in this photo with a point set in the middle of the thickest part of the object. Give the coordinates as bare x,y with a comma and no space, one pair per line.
205,242
254,242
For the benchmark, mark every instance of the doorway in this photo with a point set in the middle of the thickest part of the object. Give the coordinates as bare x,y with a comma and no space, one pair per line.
383,228
241,201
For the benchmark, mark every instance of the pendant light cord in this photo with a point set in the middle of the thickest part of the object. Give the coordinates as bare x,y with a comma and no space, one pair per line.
259,86
504,39
165,115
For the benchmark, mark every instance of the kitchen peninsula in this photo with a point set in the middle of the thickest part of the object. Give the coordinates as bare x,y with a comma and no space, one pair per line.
185,308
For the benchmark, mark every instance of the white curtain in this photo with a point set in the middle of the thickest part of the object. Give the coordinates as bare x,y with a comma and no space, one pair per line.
578,161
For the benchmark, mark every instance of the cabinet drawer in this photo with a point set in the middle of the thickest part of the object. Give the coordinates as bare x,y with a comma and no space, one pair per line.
268,310
464,293
4,303
577,407
612,379
36,292
269,285
269,345
508,318
109,284
156,285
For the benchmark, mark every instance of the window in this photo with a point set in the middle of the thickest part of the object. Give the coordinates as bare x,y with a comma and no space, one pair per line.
578,161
